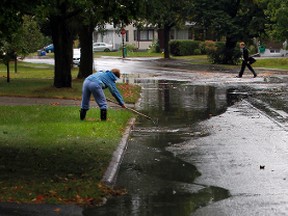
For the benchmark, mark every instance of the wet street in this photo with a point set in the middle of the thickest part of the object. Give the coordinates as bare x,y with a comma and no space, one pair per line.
219,146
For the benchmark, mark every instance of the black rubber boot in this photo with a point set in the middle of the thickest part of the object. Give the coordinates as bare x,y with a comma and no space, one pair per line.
103,115
83,114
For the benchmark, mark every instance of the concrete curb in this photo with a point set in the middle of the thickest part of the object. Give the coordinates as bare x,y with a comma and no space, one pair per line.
110,175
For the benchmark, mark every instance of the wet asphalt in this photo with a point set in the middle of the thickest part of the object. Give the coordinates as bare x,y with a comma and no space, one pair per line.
245,150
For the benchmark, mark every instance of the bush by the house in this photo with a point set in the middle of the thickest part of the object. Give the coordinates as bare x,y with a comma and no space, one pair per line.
184,47
129,47
155,47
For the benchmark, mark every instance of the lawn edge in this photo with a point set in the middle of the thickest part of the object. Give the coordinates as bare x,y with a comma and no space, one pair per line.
111,172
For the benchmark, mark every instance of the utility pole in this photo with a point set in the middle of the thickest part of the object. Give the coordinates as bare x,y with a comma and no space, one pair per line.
123,32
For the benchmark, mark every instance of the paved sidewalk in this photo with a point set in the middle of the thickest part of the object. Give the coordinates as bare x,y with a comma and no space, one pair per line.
37,101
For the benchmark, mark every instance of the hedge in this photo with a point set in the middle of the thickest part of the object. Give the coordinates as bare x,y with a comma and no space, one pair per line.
185,47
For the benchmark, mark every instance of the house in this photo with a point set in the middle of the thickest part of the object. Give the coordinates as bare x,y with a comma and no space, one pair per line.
273,49
141,39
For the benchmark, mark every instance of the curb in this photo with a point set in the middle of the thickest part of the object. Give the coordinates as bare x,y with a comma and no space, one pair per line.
110,175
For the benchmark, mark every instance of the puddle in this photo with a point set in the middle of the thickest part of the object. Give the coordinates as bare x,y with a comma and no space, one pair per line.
157,181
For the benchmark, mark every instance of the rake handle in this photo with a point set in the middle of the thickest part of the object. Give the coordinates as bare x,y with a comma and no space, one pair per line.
132,110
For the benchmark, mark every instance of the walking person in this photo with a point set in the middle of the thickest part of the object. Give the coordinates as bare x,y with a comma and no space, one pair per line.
247,61
94,84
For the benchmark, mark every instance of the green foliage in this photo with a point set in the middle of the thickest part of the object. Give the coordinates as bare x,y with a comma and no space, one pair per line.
184,47
129,47
217,54
28,37
166,14
155,47
207,46
234,20
277,11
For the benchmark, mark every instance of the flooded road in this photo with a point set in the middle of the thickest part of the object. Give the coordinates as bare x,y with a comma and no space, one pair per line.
220,146
158,182
216,151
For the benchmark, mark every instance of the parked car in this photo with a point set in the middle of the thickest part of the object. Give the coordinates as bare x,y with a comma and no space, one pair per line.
76,57
100,47
49,48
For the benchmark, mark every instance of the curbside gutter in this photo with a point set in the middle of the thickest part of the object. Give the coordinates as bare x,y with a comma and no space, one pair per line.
110,175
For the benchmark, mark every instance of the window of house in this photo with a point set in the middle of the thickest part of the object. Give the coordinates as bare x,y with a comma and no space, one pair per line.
127,36
144,35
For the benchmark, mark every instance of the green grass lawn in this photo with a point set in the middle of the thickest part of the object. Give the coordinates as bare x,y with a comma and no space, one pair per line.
36,80
49,156
277,63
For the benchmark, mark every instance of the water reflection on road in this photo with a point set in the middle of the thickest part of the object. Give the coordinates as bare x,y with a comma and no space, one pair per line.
158,182
161,168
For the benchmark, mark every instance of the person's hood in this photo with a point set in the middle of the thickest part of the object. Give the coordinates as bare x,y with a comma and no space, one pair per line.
112,75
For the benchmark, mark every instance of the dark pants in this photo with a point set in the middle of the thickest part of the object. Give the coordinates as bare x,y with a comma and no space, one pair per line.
244,64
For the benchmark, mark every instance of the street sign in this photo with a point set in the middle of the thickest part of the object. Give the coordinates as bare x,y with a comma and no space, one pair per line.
123,31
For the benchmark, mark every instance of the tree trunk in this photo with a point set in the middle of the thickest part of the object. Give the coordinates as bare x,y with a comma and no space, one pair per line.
15,64
62,37
230,45
231,37
8,71
166,41
86,59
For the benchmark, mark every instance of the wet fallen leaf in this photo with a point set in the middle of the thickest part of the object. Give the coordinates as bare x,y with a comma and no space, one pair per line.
38,199
57,210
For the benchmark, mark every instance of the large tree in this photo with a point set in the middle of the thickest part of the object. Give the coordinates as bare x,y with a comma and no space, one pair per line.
61,15
87,21
166,14
11,30
68,18
234,19
97,13
277,11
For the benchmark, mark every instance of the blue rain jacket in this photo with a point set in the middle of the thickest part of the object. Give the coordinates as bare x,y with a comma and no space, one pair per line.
107,79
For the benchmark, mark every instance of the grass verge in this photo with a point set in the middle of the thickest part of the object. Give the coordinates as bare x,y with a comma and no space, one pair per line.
276,63
47,156
43,88
36,80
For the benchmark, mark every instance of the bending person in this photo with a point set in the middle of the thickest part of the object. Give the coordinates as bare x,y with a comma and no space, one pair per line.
94,84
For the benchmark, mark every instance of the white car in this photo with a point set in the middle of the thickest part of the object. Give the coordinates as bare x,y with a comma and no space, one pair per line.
76,56
101,46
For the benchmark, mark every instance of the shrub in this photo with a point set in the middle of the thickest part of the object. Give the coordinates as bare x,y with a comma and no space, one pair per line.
197,52
184,47
155,47
129,47
207,46
253,49
219,54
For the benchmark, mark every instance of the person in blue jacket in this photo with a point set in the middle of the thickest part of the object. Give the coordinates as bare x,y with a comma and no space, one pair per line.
94,84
